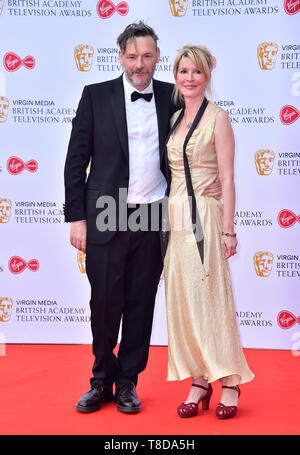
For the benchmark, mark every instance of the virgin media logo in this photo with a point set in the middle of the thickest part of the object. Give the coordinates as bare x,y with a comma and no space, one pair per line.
289,114
286,319
15,165
106,8
18,265
286,218
291,6
12,62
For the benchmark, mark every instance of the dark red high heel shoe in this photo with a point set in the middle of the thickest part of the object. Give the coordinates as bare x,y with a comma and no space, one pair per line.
227,412
191,409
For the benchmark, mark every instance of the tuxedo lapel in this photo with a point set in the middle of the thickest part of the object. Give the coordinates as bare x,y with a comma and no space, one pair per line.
119,111
162,102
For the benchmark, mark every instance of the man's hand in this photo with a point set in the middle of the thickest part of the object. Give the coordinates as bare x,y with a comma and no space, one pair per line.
214,189
78,235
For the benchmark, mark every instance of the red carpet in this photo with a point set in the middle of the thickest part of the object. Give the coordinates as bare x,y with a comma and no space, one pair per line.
40,385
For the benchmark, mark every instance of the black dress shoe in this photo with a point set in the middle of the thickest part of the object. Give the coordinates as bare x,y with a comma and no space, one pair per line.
127,399
92,400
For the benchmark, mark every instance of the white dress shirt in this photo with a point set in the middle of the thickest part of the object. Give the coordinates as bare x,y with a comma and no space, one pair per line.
146,181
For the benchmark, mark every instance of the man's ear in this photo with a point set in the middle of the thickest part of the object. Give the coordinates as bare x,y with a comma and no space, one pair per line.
158,55
121,57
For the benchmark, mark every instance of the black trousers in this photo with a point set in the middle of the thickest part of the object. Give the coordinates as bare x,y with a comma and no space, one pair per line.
124,275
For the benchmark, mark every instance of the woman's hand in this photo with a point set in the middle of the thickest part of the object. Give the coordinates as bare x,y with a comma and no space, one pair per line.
229,245
214,189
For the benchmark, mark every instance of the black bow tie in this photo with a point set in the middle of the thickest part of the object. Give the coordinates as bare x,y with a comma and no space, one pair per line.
136,95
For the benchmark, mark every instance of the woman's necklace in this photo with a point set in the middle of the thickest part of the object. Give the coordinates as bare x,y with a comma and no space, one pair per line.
188,124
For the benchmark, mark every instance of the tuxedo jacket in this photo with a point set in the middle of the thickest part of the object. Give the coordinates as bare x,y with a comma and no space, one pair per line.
99,136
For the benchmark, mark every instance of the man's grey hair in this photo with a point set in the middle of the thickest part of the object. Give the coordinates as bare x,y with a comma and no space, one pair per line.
133,31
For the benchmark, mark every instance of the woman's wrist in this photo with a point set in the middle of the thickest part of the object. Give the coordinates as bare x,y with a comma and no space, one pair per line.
229,234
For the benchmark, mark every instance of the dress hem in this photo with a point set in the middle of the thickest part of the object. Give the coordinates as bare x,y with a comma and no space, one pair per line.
242,381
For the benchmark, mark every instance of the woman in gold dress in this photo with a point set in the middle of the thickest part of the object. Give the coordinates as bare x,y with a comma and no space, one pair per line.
203,336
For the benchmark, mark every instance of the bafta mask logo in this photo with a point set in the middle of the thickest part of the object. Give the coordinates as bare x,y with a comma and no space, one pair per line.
264,161
5,208
263,263
4,105
6,305
267,55
81,261
178,7
88,169
83,54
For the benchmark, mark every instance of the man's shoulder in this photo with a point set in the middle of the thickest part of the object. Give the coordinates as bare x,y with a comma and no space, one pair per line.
164,92
163,84
102,86
117,82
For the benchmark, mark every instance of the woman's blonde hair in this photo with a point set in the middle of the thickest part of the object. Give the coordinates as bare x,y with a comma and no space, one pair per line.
201,58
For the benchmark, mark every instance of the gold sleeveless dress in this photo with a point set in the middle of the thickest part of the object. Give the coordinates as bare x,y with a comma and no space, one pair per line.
203,337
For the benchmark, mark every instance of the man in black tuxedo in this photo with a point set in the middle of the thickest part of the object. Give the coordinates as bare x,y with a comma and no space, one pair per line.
120,127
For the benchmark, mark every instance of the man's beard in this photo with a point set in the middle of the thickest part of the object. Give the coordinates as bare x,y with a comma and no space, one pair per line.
146,81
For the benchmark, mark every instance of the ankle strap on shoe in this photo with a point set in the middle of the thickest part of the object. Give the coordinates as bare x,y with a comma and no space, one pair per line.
201,387
233,387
